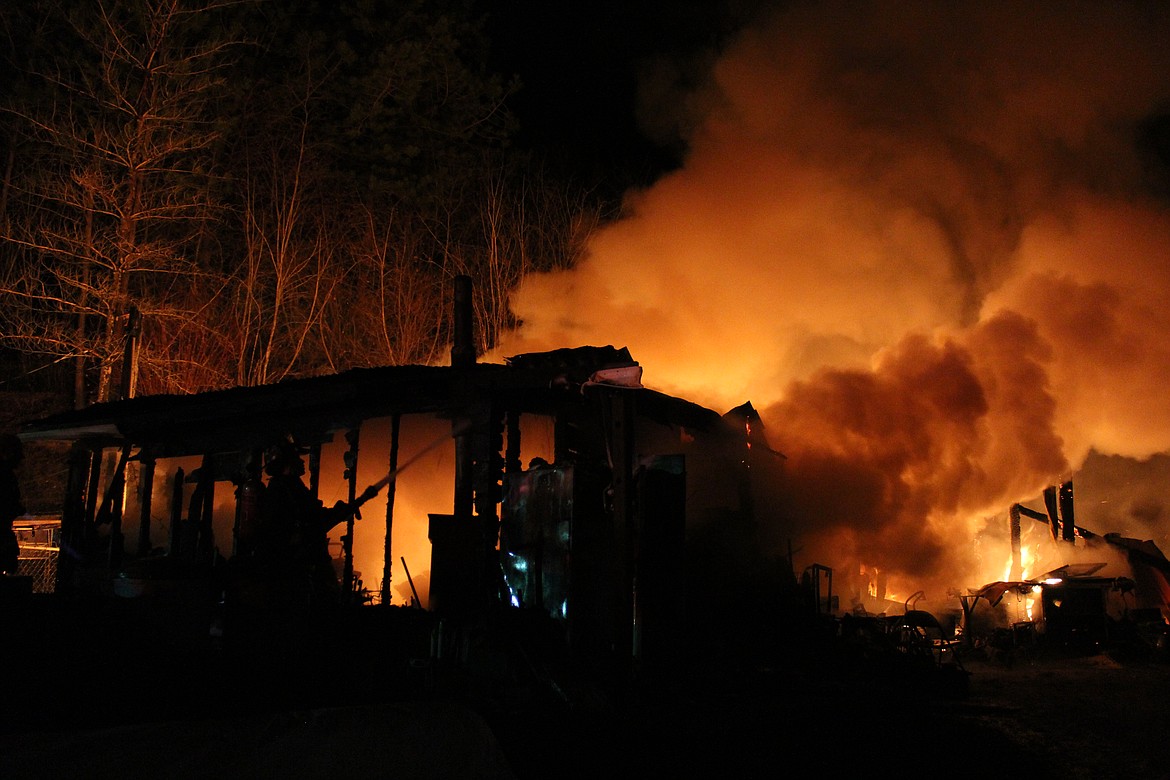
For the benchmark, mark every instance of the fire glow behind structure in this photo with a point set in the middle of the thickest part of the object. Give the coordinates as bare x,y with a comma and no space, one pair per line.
926,242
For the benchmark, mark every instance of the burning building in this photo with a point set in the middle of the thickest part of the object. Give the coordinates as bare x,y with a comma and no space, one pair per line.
932,250
162,496
1107,588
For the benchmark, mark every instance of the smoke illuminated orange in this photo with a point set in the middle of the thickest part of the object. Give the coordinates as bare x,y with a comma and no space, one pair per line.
916,237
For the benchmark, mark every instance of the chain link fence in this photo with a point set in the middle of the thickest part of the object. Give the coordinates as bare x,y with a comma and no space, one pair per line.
40,544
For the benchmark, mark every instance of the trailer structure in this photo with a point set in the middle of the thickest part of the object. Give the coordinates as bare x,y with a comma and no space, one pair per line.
590,542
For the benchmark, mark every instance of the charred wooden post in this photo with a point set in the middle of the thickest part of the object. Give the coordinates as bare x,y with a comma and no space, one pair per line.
489,480
201,511
315,469
388,560
463,357
464,494
351,461
73,516
512,464
92,490
145,500
112,507
456,540
460,560
1017,570
175,542
189,531
512,469
463,337
1052,507
1068,527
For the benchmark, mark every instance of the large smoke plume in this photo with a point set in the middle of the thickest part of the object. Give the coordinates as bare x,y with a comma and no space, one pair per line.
927,239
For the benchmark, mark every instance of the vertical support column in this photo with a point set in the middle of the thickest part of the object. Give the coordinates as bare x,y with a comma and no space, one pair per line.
175,542
315,469
1068,526
1051,506
512,464
513,468
73,530
202,512
456,542
91,501
489,479
388,559
463,357
115,499
464,498
1017,570
351,460
145,501
463,337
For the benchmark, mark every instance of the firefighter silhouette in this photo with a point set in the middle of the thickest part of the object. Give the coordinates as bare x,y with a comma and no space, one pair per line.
293,534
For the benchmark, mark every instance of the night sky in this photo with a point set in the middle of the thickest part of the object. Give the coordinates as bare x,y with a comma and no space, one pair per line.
582,67
588,73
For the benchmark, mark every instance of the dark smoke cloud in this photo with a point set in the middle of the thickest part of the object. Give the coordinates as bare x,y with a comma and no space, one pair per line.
921,236
887,465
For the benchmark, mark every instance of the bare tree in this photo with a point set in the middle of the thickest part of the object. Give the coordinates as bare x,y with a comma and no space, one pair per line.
307,217
288,272
394,310
117,137
527,224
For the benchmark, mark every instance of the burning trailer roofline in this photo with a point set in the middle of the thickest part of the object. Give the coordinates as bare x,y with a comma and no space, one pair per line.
619,450
316,408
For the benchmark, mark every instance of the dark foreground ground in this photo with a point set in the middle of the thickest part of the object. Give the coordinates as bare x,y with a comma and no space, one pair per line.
1074,718
163,713
1085,717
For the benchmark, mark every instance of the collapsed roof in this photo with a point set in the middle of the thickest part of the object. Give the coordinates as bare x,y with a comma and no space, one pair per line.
312,409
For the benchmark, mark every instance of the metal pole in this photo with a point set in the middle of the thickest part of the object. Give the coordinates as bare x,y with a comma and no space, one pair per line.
410,580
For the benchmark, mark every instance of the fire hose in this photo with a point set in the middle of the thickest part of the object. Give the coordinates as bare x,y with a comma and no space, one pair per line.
375,488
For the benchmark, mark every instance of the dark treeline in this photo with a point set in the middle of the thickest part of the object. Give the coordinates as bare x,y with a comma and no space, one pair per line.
278,189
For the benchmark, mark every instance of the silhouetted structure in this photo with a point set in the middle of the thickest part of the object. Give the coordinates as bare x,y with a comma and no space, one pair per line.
592,543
